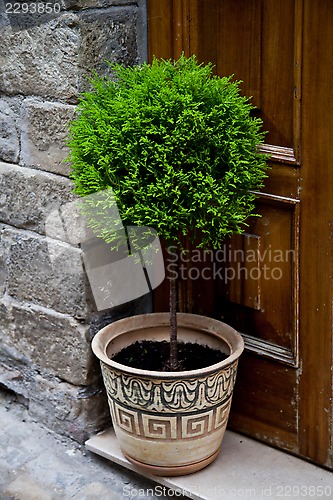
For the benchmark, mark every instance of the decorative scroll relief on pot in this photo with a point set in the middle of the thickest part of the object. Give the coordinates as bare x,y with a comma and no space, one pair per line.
177,427
170,396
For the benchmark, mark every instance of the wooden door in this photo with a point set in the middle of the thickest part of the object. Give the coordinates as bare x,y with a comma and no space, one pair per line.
276,284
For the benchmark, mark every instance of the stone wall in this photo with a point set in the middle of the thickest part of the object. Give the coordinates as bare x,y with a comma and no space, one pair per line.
47,313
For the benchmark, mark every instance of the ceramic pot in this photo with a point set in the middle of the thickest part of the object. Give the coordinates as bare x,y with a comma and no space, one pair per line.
170,423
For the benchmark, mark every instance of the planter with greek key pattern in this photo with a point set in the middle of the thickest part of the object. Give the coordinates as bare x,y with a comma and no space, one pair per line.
171,423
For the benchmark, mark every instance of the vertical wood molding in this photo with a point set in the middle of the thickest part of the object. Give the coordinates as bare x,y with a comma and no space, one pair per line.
239,44
181,28
160,28
298,78
296,284
315,389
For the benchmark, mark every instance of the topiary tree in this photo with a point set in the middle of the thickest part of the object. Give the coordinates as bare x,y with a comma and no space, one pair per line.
179,148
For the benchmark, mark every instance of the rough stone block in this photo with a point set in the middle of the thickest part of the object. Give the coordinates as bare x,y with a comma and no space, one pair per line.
51,342
44,133
46,272
72,411
3,270
9,129
78,4
40,57
112,33
50,56
77,412
28,196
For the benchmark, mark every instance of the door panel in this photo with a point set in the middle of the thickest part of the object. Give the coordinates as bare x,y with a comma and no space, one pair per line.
262,286
280,297
265,402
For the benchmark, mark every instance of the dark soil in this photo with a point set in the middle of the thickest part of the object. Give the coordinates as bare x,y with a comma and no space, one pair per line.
154,355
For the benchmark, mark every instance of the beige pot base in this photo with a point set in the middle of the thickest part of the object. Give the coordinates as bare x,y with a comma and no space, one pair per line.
179,470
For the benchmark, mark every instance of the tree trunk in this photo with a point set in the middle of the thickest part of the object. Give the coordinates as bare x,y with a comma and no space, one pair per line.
173,324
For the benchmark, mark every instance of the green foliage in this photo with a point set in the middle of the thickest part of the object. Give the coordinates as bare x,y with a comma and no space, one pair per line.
177,145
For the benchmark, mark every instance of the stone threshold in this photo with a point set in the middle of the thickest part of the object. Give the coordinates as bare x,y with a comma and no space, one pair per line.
244,468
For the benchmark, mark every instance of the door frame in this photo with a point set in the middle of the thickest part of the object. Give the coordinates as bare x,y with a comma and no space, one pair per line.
174,21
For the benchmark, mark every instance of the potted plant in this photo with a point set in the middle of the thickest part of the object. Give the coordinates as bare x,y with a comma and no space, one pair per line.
178,147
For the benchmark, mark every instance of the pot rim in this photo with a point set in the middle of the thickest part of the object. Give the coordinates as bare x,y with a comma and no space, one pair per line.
123,326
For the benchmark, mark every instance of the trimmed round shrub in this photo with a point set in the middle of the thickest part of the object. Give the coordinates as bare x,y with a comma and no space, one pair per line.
177,145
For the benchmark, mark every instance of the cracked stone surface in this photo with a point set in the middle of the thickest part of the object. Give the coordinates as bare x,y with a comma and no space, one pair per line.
37,464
